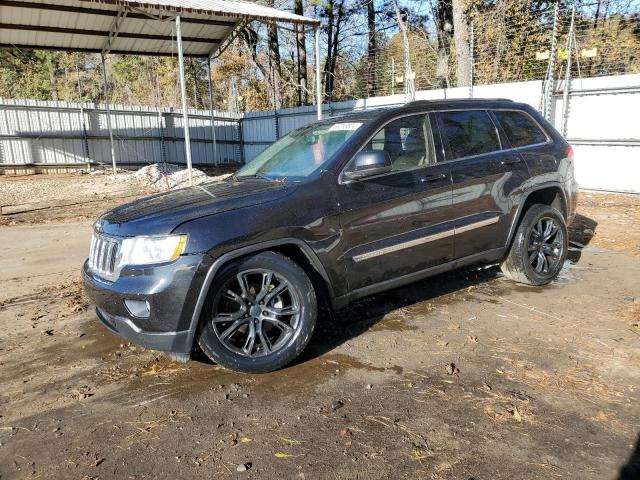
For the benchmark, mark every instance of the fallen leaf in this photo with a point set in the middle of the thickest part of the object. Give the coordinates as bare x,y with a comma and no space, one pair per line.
516,414
417,453
282,455
600,417
291,441
246,440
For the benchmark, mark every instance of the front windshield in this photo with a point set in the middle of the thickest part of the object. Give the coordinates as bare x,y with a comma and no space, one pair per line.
300,153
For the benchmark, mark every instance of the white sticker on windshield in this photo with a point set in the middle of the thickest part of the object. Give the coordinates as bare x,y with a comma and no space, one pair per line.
344,127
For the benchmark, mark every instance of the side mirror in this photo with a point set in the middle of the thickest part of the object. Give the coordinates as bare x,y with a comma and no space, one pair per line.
368,163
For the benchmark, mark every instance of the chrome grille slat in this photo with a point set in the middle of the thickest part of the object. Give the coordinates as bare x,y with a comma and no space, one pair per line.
103,244
103,255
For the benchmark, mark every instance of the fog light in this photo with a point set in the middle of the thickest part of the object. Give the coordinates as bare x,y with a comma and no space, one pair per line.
137,308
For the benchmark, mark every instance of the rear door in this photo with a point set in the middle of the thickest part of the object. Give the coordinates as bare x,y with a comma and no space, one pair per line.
396,224
485,172
525,134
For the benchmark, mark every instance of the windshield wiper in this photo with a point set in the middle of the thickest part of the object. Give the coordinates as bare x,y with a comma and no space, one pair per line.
261,176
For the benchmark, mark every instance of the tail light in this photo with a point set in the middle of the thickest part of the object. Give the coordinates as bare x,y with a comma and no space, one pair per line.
568,153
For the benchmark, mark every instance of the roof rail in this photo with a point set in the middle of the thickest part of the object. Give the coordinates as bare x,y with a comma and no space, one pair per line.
422,102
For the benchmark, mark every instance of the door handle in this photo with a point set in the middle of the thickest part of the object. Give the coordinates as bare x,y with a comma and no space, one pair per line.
433,178
510,161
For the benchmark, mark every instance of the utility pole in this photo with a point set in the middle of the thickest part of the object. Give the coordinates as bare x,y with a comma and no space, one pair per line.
409,88
551,69
567,75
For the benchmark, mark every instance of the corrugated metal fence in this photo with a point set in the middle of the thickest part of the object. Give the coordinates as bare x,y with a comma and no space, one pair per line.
601,124
35,133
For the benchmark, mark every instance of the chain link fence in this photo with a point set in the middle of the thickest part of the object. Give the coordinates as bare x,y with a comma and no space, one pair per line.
505,41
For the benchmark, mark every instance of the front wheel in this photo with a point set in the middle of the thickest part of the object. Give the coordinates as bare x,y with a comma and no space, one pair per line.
260,314
539,247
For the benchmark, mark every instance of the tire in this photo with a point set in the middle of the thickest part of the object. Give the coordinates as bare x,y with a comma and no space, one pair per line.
242,334
537,254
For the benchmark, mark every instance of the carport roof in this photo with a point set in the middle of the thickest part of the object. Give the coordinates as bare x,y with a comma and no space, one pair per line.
130,27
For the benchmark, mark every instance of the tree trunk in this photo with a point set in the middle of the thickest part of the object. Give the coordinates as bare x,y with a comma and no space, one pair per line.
301,49
327,66
274,63
53,80
409,86
444,24
461,41
333,41
371,49
336,43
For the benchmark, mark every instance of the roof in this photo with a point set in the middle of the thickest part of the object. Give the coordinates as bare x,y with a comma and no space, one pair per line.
136,27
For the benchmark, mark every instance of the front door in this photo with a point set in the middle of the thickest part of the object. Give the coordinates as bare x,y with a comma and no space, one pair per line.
397,223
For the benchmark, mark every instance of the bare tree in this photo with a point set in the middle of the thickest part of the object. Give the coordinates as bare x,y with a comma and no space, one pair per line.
301,50
443,15
409,87
335,13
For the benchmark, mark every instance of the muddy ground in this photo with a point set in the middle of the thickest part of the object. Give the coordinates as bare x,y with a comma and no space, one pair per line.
462,376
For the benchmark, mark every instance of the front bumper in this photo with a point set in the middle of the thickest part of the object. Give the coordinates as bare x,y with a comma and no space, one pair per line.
171,291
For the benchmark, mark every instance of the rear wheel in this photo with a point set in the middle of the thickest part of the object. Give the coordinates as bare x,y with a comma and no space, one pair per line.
539,247
260,314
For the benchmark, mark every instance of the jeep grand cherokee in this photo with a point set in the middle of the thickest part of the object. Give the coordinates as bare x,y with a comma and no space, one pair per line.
334,211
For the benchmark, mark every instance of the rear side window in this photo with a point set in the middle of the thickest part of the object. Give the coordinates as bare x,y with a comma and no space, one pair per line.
521,130
469,133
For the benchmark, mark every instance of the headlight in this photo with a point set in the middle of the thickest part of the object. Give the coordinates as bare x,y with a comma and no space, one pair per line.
150,250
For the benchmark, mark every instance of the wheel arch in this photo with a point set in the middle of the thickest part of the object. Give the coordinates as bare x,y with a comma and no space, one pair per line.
296,249
550,194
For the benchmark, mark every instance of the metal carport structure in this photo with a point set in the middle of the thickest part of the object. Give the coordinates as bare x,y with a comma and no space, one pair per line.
200,28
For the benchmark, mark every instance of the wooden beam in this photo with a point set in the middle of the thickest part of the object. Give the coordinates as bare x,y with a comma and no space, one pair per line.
108,13
104,33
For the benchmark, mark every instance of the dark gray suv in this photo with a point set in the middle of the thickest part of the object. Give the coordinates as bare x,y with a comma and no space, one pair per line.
337,210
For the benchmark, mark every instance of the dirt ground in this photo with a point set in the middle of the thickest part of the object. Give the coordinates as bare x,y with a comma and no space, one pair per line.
462,376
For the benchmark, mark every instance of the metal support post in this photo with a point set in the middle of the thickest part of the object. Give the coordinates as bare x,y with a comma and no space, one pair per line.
213,119
471,60
183,95
85,141
106,103
553,54
567,76
318,87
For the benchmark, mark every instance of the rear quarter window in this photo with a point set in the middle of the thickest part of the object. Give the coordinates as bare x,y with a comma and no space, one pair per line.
469,133
520,129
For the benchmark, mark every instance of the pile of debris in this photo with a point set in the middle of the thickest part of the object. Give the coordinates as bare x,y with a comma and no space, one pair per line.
159,176
166,176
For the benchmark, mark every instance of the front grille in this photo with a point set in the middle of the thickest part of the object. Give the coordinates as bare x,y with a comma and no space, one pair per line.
103,255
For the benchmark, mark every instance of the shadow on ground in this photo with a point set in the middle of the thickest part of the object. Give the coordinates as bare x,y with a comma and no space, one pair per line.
631,470
335,328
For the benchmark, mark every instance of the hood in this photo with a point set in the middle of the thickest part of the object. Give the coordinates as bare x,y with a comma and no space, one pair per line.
162,213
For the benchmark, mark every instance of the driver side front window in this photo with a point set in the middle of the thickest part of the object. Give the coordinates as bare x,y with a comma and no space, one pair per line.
408,141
